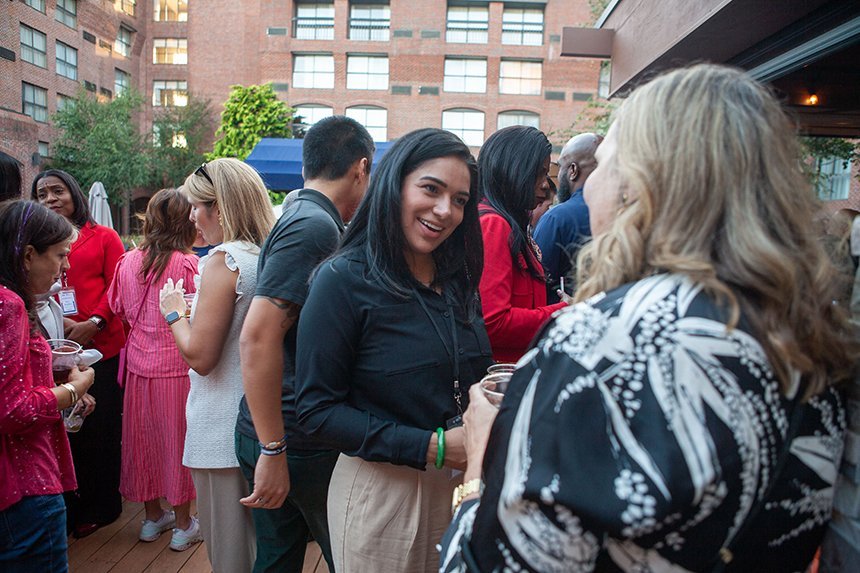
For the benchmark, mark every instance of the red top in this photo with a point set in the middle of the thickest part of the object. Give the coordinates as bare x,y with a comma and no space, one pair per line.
35,458
514,302
92,263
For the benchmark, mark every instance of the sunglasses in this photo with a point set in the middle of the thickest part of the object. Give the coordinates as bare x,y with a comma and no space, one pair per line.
202,171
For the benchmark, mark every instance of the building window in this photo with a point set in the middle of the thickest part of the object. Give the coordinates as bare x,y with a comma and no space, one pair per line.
311,113
509,118
518,77
67,12
465,75
35,102
374,119
169,93
367,72
64,101
121,81
369,22
67,61
313,71
522,27
467,24
170,11
37,4
34,46
126,6
123,41
467,124
314,21
42,147
170,51
834,178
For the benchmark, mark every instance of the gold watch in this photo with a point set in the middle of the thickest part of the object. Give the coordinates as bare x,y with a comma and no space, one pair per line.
463,490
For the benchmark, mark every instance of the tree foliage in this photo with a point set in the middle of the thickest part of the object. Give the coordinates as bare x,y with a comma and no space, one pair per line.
100,141
595,117
178,137
250,114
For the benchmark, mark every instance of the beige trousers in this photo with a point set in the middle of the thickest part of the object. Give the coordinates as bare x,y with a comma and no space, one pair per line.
226,524
388,518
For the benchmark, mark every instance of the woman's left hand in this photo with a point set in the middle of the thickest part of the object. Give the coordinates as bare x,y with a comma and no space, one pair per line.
170,298
88,404
82,332
477,423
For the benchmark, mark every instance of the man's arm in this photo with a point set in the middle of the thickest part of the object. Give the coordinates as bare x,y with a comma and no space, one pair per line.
261,348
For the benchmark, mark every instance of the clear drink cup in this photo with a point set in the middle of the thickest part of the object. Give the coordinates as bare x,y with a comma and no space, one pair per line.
495,386
64,357
501,367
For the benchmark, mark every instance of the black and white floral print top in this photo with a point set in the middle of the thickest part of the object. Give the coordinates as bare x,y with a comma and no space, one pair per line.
637,436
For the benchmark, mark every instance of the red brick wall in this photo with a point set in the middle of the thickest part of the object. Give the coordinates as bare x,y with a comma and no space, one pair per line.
96,63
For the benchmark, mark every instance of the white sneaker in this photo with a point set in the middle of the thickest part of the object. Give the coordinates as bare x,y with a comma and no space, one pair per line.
151,530
184,538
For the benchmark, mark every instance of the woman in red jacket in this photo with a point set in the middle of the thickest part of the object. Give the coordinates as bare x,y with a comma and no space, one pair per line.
90,321
512,166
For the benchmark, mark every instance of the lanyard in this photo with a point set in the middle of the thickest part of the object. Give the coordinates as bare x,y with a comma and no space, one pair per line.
452,350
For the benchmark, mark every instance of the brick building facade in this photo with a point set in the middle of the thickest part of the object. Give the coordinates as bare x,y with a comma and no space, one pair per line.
395,65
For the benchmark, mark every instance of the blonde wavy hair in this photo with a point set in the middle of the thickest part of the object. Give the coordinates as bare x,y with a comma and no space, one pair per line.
712,169
239,192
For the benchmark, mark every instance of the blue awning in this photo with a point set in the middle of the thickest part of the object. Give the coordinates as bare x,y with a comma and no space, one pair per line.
279,161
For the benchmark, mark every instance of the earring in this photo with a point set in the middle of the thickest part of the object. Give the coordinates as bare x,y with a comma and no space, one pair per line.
220,220
624,199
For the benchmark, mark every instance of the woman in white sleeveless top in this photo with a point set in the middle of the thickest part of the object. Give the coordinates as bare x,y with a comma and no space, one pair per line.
231,208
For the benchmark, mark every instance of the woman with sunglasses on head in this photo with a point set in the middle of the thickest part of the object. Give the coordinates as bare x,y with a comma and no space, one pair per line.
231,208
389,341
91,323
156,385
512,170
35,459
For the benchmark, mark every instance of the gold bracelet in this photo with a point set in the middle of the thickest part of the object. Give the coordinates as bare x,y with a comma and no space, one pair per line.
73,393
464,490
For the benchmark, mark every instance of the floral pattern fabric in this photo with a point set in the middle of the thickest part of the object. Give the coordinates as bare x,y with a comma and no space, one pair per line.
638,435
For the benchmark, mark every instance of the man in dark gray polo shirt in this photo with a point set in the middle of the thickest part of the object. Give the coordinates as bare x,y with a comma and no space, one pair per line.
289,472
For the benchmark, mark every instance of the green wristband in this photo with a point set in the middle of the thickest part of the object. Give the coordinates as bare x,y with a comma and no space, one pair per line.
440,448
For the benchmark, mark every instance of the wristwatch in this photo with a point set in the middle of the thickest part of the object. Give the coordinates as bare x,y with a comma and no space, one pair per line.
98,321
464,490
172,317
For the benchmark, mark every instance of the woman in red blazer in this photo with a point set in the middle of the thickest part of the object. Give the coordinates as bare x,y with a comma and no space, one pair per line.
92,260
512,166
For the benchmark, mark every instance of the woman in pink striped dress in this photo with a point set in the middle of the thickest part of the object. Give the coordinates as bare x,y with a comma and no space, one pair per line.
157,383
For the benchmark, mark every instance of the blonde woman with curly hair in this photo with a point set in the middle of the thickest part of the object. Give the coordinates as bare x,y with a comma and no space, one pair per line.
231,208
681,415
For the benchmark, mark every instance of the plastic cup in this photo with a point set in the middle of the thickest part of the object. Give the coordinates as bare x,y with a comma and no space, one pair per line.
64,357
501,367
72,419
189,300
495,386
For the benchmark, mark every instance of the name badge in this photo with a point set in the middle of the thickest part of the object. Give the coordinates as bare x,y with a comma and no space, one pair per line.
68,302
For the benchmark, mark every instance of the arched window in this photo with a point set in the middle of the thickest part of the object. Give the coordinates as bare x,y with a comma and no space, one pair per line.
518,117
468,124
312,113
375,119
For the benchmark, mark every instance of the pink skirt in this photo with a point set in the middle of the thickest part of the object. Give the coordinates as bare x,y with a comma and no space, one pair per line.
153,438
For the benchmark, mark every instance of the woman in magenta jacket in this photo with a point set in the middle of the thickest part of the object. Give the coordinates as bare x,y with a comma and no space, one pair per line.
512,166
92,260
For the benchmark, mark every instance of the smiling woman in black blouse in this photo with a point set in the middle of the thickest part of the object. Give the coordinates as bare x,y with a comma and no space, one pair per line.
390,340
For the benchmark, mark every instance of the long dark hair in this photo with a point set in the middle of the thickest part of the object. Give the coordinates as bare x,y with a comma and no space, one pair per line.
166,228
10,177
376,230
81,215
25,223
508,168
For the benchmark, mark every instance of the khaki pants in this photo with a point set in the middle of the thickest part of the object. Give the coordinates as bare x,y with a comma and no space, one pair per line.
388,518
225,523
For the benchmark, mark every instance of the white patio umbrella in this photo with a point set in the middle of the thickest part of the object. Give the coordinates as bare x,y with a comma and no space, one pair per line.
99,208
